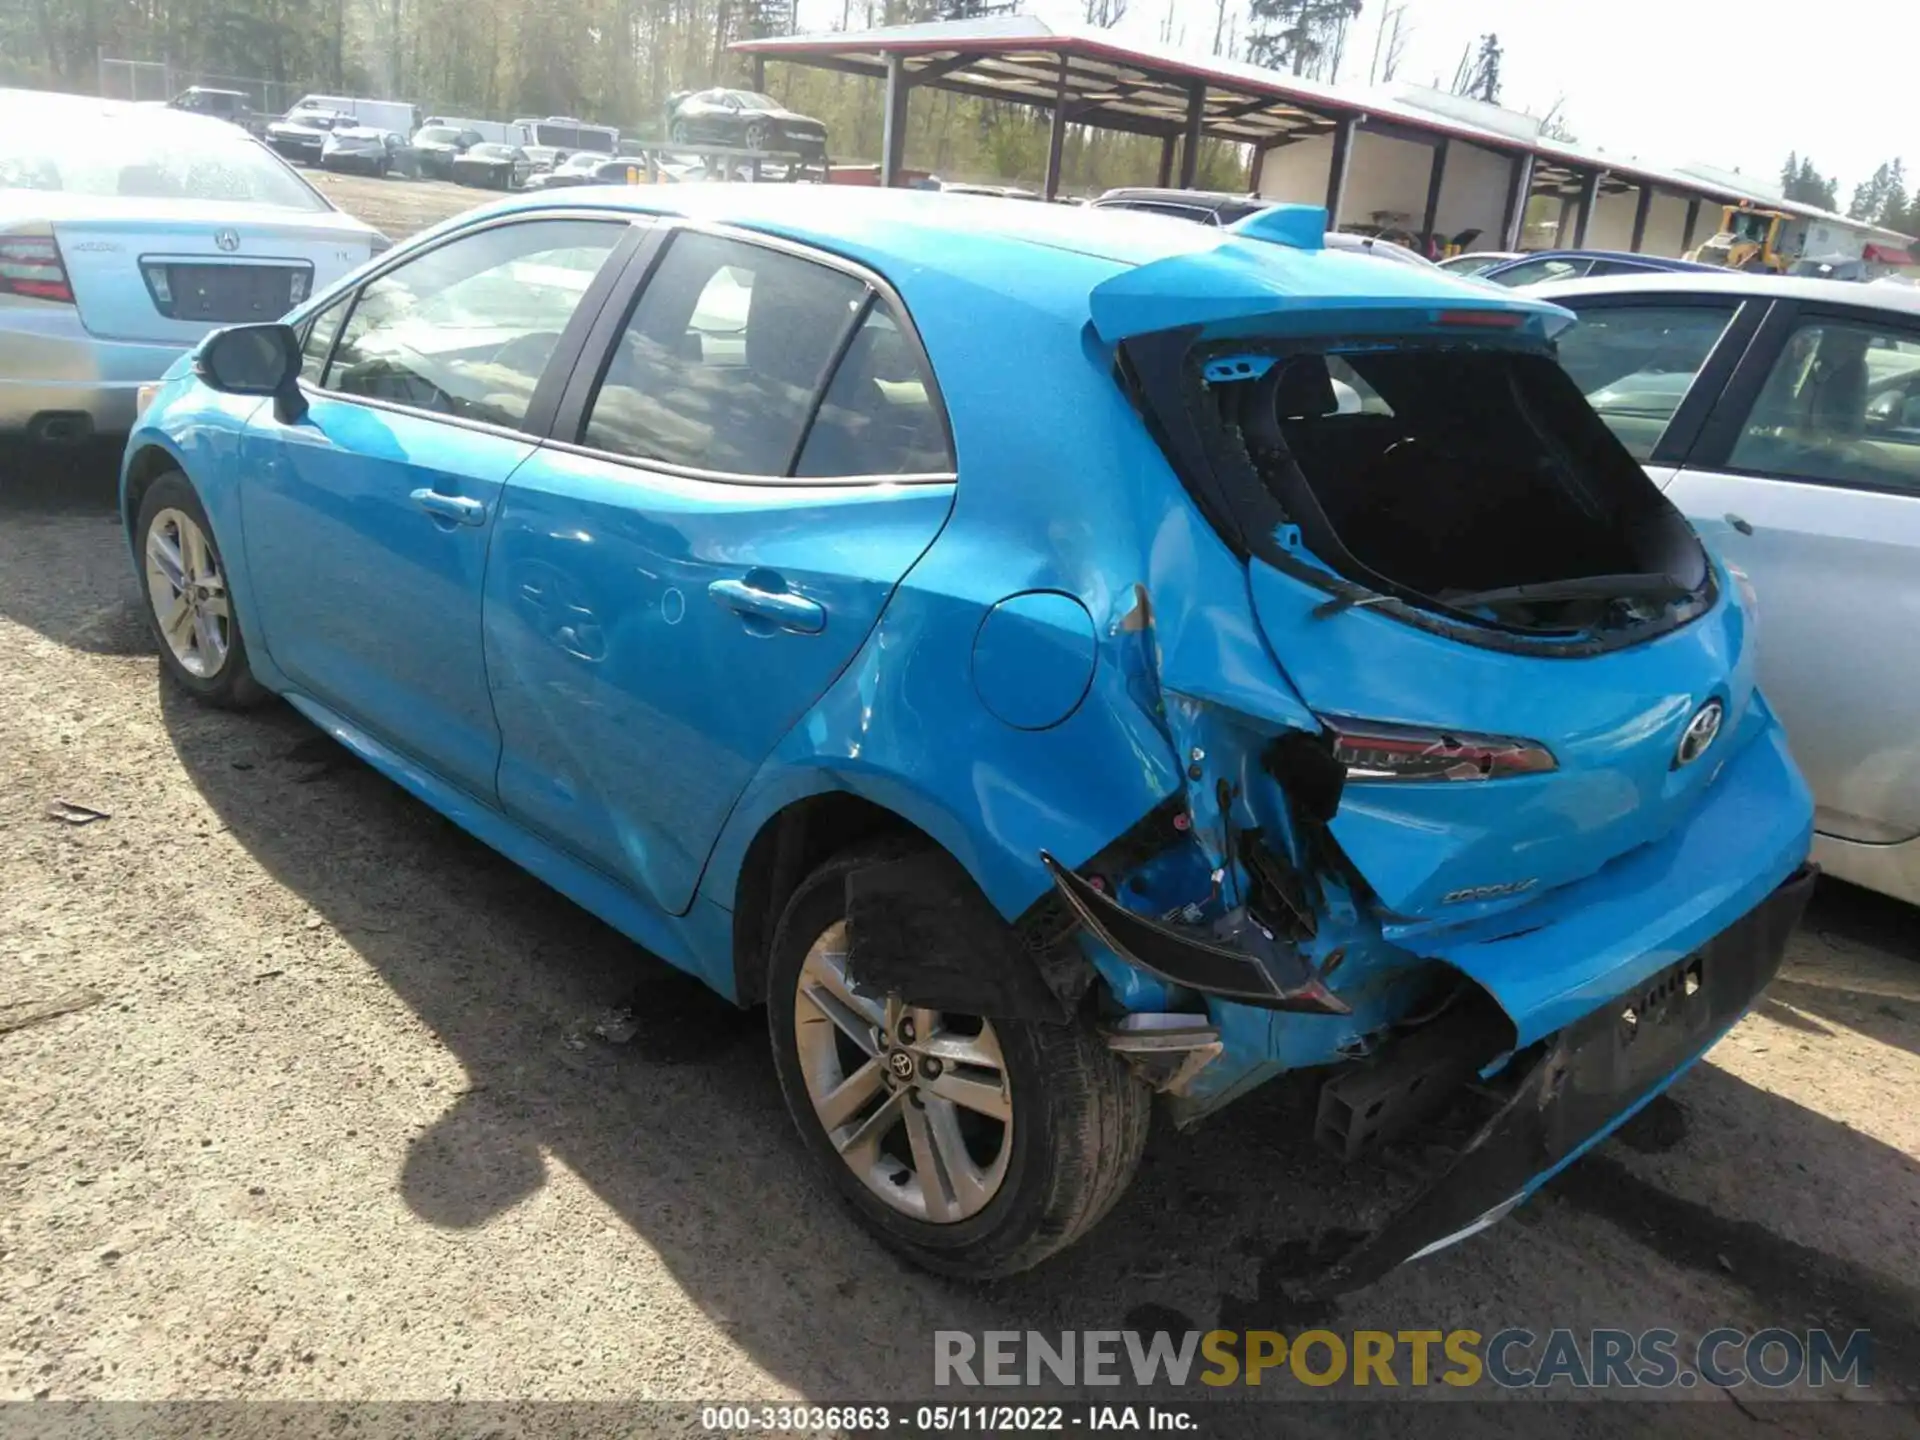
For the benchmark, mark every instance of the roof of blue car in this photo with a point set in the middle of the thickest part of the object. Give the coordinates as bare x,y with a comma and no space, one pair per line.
897,231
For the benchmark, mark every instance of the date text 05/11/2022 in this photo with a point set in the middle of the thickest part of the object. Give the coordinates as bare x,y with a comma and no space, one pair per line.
940,1419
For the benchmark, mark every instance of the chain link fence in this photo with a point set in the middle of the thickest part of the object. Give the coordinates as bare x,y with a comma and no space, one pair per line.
158,80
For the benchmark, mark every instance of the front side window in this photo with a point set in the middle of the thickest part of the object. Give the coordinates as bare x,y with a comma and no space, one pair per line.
1636,363
467,328
1841,406
720,362
1535,272
321,330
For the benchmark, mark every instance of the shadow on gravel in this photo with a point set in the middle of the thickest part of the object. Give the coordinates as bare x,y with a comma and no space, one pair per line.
681,1132
64,568
1858,968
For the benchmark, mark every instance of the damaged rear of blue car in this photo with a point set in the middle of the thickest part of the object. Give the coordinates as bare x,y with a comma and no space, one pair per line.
1257,660
1369,711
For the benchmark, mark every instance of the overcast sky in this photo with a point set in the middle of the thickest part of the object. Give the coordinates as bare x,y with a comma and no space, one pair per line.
1661,80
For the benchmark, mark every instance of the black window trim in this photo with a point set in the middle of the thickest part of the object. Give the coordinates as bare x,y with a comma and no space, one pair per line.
1729,419
1680,442
590,364
635,228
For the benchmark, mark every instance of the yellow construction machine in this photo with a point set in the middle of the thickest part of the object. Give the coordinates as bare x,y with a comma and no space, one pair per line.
1751,238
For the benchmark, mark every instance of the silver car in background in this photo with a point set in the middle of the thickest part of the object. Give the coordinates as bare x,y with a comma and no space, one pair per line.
126,234
1783,417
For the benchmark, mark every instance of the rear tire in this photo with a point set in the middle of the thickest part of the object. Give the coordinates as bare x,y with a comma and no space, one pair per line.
189,606
1075,1122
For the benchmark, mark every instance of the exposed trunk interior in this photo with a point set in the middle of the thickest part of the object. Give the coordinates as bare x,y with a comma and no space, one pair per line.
1467,476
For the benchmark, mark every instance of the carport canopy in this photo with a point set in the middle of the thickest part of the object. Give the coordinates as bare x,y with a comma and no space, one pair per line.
1088,77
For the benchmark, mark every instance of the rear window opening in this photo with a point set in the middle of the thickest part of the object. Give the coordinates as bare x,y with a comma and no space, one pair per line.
1466,477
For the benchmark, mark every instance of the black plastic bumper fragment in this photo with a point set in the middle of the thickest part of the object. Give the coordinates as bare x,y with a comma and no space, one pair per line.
919,927
1589,1075
1265,972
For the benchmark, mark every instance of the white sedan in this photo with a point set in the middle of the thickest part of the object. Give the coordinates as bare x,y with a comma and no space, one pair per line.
1783,417
127,233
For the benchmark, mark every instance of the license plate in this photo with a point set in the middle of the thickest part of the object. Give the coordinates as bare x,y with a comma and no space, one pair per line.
232,294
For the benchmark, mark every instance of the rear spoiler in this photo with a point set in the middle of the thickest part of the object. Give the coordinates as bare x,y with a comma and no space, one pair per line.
1270,275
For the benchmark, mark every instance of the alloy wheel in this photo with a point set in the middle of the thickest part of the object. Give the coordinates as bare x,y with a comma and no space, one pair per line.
917,1102
188,593
756,135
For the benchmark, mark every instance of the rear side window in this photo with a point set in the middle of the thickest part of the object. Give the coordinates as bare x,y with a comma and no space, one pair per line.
1842,407
880,415
1635,363
722,360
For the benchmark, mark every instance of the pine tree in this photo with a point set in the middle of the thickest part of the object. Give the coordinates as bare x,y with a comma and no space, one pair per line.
1296,35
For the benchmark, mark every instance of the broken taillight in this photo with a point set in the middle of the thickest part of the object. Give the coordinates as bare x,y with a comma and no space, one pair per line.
1373,752
30,265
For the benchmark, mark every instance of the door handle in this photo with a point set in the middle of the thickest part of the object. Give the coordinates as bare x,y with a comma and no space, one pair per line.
1739,524
782,607
458,508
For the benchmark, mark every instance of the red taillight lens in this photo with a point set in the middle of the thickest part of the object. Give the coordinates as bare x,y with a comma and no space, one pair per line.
1482,319
30,265
1374,752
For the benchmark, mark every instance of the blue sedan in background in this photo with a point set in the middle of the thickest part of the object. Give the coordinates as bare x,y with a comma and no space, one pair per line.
1536,267
1053,659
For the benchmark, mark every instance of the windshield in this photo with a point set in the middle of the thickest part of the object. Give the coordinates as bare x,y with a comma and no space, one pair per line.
1750,227
582,162
438,135
132,158
755,101
491,152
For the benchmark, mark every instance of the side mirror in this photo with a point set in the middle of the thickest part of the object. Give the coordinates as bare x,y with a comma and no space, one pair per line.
255,360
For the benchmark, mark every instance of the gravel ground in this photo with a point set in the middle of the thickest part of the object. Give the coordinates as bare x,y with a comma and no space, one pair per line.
398,207
301,1097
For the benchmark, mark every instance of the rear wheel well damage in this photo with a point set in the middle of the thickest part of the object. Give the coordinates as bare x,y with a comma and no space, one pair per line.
919,924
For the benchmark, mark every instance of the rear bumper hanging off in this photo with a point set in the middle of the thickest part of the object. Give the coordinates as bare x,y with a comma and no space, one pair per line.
1261,970
1582,1085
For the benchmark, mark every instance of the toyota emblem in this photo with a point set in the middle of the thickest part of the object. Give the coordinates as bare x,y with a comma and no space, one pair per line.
1699,734
227,239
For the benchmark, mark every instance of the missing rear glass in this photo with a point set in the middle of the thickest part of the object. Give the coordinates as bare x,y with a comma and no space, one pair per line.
1467,477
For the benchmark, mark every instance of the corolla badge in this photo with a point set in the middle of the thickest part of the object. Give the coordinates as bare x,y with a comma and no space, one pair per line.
227,239
1699,734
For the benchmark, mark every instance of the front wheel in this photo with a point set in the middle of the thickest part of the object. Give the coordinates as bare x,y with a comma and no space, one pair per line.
680,133
756,135
975,1148
189,605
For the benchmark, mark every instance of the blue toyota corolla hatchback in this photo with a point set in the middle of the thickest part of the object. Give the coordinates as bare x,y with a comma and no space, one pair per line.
1049,658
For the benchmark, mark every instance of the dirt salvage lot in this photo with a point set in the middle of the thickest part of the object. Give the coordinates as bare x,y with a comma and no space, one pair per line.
395,207
302,1096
